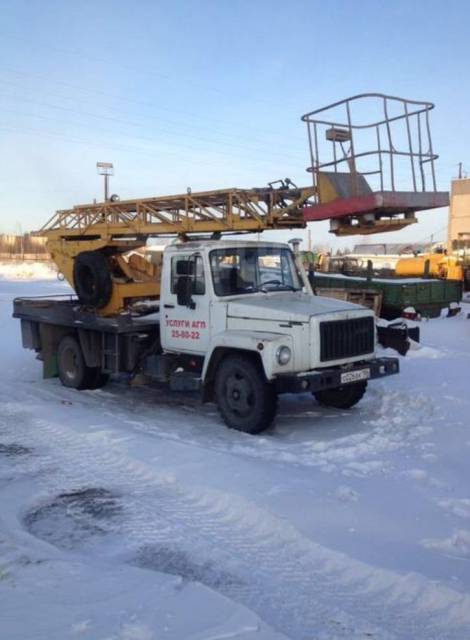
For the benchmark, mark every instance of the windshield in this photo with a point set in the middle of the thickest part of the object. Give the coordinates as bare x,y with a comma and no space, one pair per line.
251,269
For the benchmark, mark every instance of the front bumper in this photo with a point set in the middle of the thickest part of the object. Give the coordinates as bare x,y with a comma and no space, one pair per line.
331,378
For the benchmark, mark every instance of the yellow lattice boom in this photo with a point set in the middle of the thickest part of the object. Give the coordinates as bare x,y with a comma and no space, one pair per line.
225,210
117,227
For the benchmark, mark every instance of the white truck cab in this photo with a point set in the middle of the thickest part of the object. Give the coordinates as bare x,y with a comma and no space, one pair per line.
247,310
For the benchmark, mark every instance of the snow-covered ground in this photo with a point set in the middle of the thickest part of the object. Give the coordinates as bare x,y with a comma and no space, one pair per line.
129,514
14,270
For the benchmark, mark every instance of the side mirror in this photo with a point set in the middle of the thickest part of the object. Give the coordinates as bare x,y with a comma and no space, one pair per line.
184,292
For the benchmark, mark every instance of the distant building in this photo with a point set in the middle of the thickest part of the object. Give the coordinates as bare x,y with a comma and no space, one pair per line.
459,216
390,248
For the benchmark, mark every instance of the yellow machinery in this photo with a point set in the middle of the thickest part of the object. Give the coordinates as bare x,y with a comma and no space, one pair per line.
94,245
435,265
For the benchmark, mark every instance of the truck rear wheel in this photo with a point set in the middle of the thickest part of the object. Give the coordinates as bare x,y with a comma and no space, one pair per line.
92,279
341,397
96,379
73,371
245,400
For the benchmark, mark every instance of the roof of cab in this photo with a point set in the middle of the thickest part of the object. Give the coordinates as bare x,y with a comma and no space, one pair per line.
194,245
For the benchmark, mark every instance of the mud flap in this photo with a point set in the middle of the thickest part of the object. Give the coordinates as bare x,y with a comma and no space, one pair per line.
50,368
50,337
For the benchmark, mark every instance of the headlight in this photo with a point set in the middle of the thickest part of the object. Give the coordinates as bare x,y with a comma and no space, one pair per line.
283,354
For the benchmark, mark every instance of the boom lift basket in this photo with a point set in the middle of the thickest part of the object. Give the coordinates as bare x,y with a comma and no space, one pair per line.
372,164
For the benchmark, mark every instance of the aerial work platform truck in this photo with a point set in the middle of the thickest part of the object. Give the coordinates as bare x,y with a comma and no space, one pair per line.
233,319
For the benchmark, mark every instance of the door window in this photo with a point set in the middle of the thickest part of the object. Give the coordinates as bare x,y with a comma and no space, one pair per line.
189,266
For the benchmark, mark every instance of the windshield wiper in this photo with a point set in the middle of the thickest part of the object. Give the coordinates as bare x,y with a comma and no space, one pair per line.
289,287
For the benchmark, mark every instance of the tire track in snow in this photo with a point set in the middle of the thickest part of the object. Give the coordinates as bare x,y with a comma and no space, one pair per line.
202,519
390,421
304,589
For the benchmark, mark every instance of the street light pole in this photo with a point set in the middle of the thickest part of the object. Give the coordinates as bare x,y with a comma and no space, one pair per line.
106,170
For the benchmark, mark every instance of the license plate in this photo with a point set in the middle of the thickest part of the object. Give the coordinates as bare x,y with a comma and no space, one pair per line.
355,376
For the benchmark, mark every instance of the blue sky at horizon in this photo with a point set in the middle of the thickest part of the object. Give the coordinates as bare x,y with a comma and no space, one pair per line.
208,94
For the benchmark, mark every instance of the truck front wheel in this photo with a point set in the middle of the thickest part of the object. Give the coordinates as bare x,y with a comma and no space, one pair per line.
246,401
341,397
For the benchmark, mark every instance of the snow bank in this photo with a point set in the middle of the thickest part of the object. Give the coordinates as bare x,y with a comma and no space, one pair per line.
27,271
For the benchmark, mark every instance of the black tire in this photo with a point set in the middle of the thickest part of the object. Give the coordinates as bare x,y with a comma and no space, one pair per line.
92,279
341,397
73,371
245,400
96,379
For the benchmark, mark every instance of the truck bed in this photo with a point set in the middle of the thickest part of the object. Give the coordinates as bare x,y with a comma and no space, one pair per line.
113,344
66,311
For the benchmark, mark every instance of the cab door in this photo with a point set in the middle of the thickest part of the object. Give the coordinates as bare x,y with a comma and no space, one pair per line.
185,312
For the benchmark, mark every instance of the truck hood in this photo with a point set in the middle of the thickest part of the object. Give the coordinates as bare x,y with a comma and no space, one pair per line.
289,306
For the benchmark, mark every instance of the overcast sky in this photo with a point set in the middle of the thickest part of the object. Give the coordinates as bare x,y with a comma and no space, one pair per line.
209,94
